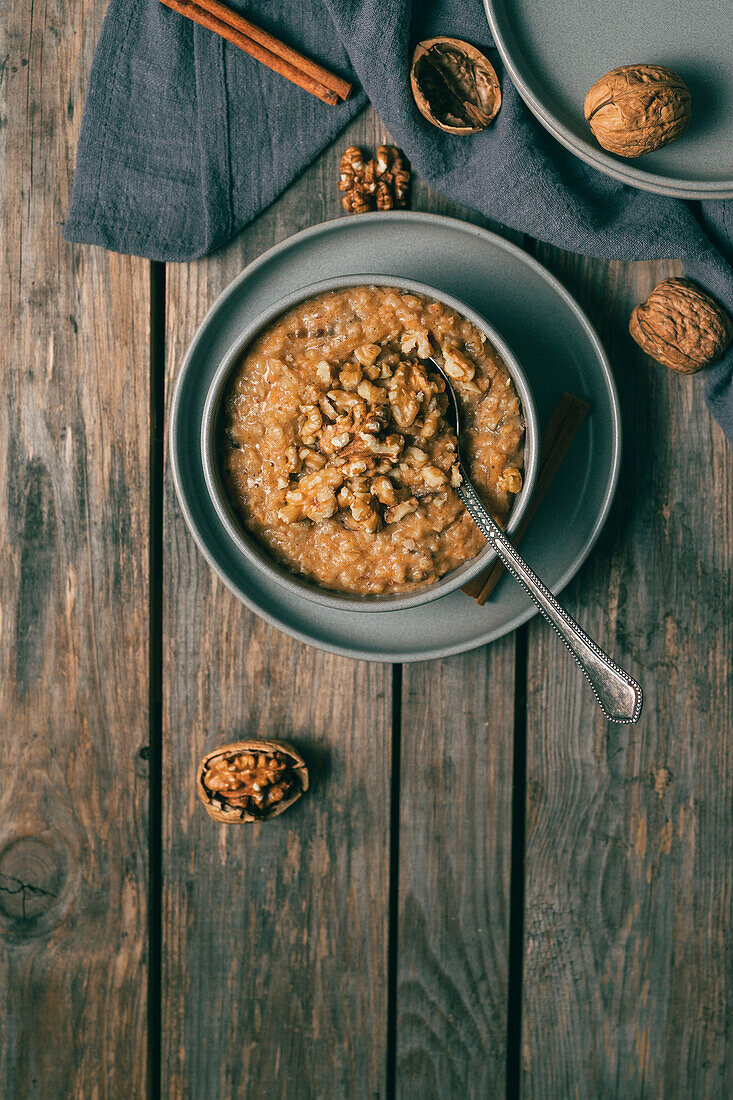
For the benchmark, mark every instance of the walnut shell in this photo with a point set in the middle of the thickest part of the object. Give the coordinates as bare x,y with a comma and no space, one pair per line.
638,108
215,803
681,326
454,85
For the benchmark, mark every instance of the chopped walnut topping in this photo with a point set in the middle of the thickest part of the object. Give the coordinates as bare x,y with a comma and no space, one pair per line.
399,511
416,341
384,490
389,447
375,395
415,457
345,439
327,408
291,513
345,402
335,437
350,377
364,515
510,481
323,370
310,424
457,366
322,506
405,404
312,460
431,422
367,354
355,467
433,477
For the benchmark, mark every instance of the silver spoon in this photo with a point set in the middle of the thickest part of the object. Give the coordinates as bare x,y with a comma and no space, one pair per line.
618,694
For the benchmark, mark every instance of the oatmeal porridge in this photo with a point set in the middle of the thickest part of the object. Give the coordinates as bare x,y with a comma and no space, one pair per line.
336,452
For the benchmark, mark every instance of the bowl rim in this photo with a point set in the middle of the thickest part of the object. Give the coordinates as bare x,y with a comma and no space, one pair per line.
247,543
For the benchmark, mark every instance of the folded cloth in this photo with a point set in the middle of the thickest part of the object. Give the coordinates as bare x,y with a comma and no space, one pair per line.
185,139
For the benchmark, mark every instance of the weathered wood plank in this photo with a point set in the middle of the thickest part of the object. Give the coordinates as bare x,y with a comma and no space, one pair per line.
73,596
455,833
455,856
627,983
275,936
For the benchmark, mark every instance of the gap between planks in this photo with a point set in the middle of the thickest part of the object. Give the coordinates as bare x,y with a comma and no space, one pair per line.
394,885
516,875
155,679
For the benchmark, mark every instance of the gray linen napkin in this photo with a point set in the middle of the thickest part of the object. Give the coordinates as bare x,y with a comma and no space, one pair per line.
185,139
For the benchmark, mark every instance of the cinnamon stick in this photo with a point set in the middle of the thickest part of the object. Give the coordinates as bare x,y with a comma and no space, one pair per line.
264,47
559,432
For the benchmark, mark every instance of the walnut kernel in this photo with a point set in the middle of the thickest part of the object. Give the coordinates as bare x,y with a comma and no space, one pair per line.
380,184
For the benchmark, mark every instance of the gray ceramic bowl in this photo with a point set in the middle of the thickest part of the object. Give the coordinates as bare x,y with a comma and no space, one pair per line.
212,430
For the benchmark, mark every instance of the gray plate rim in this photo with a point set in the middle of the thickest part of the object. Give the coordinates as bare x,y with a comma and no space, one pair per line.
417,218
597,158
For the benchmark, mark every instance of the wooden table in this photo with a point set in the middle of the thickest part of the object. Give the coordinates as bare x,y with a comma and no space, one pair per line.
488,886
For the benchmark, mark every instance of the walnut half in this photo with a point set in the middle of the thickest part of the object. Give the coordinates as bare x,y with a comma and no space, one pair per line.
455,87
251,780
681,326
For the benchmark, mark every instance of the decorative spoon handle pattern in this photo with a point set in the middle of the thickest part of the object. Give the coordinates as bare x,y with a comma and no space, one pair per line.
618,694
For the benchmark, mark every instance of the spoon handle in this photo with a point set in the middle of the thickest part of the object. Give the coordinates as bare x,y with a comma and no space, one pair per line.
618,694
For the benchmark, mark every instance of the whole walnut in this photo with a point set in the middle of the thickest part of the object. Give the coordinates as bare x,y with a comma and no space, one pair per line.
638,108
681,326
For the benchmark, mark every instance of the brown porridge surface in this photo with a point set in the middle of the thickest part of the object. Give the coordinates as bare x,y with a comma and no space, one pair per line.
337,455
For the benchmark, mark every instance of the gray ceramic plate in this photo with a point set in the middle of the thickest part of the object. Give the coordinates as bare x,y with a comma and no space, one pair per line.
555,50
557,348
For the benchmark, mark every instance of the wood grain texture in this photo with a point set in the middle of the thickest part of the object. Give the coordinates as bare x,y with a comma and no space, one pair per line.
627,982
330,1037
274,935
73,596
455,855
455,831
